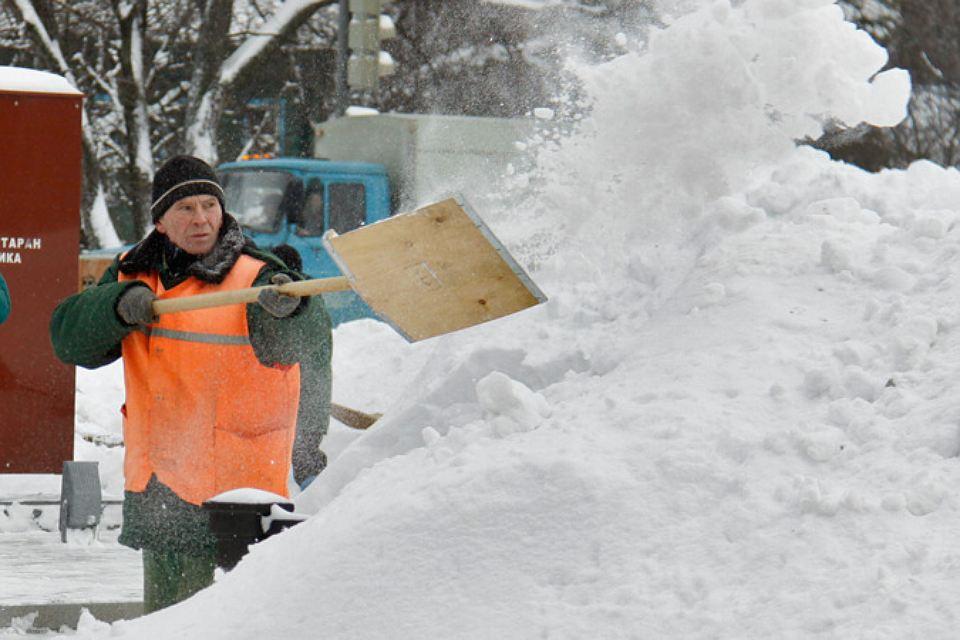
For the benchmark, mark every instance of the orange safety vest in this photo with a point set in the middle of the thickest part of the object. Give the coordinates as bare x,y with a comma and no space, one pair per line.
202,413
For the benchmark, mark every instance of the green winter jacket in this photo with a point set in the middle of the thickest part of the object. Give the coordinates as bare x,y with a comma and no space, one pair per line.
86,331
4,300
313,417
313,414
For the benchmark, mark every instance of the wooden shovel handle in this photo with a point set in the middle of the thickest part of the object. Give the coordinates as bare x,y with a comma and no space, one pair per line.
297,288
353,418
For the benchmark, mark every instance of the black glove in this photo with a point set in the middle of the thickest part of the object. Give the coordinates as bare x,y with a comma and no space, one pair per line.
135,306
279,305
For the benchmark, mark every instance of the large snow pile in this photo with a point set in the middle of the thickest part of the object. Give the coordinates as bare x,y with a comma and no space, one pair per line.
734,418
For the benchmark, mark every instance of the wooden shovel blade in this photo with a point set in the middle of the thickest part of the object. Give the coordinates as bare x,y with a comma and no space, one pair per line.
433,271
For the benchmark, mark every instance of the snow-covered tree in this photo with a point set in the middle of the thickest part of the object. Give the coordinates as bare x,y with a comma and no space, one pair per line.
922,36
131,95
217,70
40,27
498,57
163,77
151,70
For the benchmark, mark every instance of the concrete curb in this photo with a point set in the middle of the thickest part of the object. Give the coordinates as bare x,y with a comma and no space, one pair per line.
55,616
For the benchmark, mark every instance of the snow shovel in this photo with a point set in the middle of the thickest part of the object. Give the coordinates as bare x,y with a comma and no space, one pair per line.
426,273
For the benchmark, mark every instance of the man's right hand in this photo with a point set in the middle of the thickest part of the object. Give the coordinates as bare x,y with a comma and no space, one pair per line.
135,306
279,305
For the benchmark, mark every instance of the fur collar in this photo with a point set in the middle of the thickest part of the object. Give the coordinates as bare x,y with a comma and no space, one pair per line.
213,267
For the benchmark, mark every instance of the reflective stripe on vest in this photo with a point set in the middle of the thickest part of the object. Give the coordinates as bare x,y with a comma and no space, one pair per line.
189,336
202,413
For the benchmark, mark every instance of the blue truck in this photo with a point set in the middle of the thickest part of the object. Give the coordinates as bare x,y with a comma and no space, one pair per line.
365,168
294,201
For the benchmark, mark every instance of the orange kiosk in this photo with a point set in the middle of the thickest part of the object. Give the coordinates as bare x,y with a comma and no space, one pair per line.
40,188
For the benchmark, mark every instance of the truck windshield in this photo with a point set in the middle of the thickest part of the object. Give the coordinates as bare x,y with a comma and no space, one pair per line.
256,198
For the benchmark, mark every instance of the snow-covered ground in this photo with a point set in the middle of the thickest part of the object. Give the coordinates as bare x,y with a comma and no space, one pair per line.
734,418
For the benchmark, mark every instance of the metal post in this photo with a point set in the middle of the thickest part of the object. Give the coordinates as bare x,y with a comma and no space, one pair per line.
81,502
343,55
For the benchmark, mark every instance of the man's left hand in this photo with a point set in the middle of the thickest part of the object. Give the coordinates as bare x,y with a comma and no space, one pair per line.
277,304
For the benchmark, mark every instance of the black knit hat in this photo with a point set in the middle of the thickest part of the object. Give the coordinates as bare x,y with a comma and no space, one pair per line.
180,177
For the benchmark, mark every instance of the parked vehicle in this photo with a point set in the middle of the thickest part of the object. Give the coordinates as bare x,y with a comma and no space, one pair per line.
294,201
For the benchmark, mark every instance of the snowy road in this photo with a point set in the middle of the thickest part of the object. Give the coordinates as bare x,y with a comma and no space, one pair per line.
36,568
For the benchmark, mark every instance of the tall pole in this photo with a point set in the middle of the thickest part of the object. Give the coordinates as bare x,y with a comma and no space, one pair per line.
343,55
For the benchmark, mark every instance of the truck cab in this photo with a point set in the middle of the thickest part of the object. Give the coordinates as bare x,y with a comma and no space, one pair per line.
295,201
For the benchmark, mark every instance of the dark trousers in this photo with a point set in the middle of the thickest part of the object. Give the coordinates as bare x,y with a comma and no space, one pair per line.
169,577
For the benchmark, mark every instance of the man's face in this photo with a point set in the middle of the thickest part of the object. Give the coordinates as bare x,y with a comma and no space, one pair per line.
193,223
